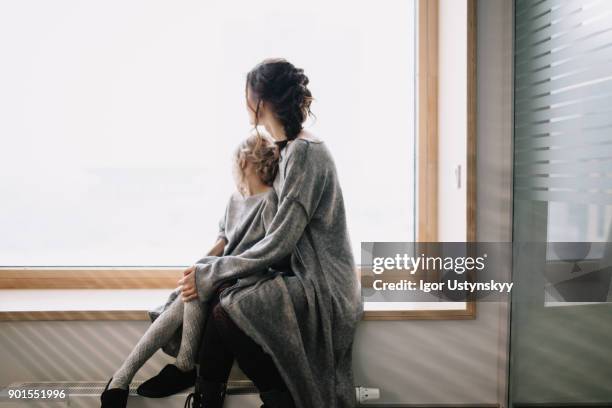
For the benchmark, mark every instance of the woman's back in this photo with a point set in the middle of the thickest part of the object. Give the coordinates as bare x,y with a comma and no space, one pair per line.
320,195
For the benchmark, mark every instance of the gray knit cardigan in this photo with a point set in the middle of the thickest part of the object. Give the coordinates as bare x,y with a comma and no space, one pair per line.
307,321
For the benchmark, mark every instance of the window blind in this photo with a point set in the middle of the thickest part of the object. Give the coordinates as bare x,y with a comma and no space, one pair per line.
563,101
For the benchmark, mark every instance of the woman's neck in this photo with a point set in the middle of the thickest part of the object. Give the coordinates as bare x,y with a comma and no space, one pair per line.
276,130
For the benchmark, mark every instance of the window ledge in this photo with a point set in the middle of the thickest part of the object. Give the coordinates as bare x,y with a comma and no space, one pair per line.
133,304
79,304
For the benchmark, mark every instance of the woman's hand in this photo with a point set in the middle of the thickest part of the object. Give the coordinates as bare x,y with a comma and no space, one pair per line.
188,286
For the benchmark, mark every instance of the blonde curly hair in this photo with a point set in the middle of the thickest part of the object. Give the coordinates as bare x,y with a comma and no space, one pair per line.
262,154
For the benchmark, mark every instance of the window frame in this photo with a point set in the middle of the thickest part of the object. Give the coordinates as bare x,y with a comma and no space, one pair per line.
426,202
427,158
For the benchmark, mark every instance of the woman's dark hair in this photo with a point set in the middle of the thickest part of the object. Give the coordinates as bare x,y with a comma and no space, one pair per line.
285,87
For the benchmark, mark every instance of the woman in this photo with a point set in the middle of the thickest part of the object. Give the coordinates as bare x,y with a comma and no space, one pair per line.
303,320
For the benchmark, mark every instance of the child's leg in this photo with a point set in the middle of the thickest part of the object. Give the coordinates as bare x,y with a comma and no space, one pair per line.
193,323
158,334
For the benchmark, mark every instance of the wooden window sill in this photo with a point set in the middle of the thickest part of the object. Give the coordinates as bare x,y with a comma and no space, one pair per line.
133,304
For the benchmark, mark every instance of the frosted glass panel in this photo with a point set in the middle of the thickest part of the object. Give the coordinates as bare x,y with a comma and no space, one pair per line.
561,351
563,103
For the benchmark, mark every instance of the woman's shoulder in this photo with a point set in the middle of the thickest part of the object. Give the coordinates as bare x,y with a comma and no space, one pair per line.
308,148
308,137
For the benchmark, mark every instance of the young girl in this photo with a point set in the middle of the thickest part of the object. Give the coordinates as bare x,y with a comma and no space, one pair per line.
177,325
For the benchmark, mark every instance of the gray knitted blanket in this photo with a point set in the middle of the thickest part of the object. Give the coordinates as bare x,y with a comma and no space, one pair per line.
305,321
243,223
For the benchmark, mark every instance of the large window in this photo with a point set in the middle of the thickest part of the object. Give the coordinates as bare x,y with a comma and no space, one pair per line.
118,120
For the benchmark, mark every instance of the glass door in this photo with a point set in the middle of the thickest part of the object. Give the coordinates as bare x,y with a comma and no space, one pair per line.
561,320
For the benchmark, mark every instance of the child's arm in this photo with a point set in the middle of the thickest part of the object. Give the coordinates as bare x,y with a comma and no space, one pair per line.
217,249
219,246
215,252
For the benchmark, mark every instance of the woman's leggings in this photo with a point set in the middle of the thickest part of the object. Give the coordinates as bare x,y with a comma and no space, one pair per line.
223,341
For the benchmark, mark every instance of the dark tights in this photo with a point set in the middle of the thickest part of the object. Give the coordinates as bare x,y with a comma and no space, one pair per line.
223,340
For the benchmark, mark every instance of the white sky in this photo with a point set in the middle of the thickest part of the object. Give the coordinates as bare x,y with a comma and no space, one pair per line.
118,119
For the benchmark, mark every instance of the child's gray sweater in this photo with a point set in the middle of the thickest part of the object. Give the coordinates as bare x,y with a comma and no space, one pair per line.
244,223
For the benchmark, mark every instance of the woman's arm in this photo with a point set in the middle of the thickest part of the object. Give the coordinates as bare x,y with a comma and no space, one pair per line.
298,198
287,228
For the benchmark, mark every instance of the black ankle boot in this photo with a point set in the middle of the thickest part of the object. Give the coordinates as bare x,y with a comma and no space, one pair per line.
277,399
114,398
169,381
207,394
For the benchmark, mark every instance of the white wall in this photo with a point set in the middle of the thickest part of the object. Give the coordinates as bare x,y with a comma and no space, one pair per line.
494,145
459,362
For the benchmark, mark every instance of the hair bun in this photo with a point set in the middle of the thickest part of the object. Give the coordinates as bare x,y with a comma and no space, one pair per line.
285,88
299,77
